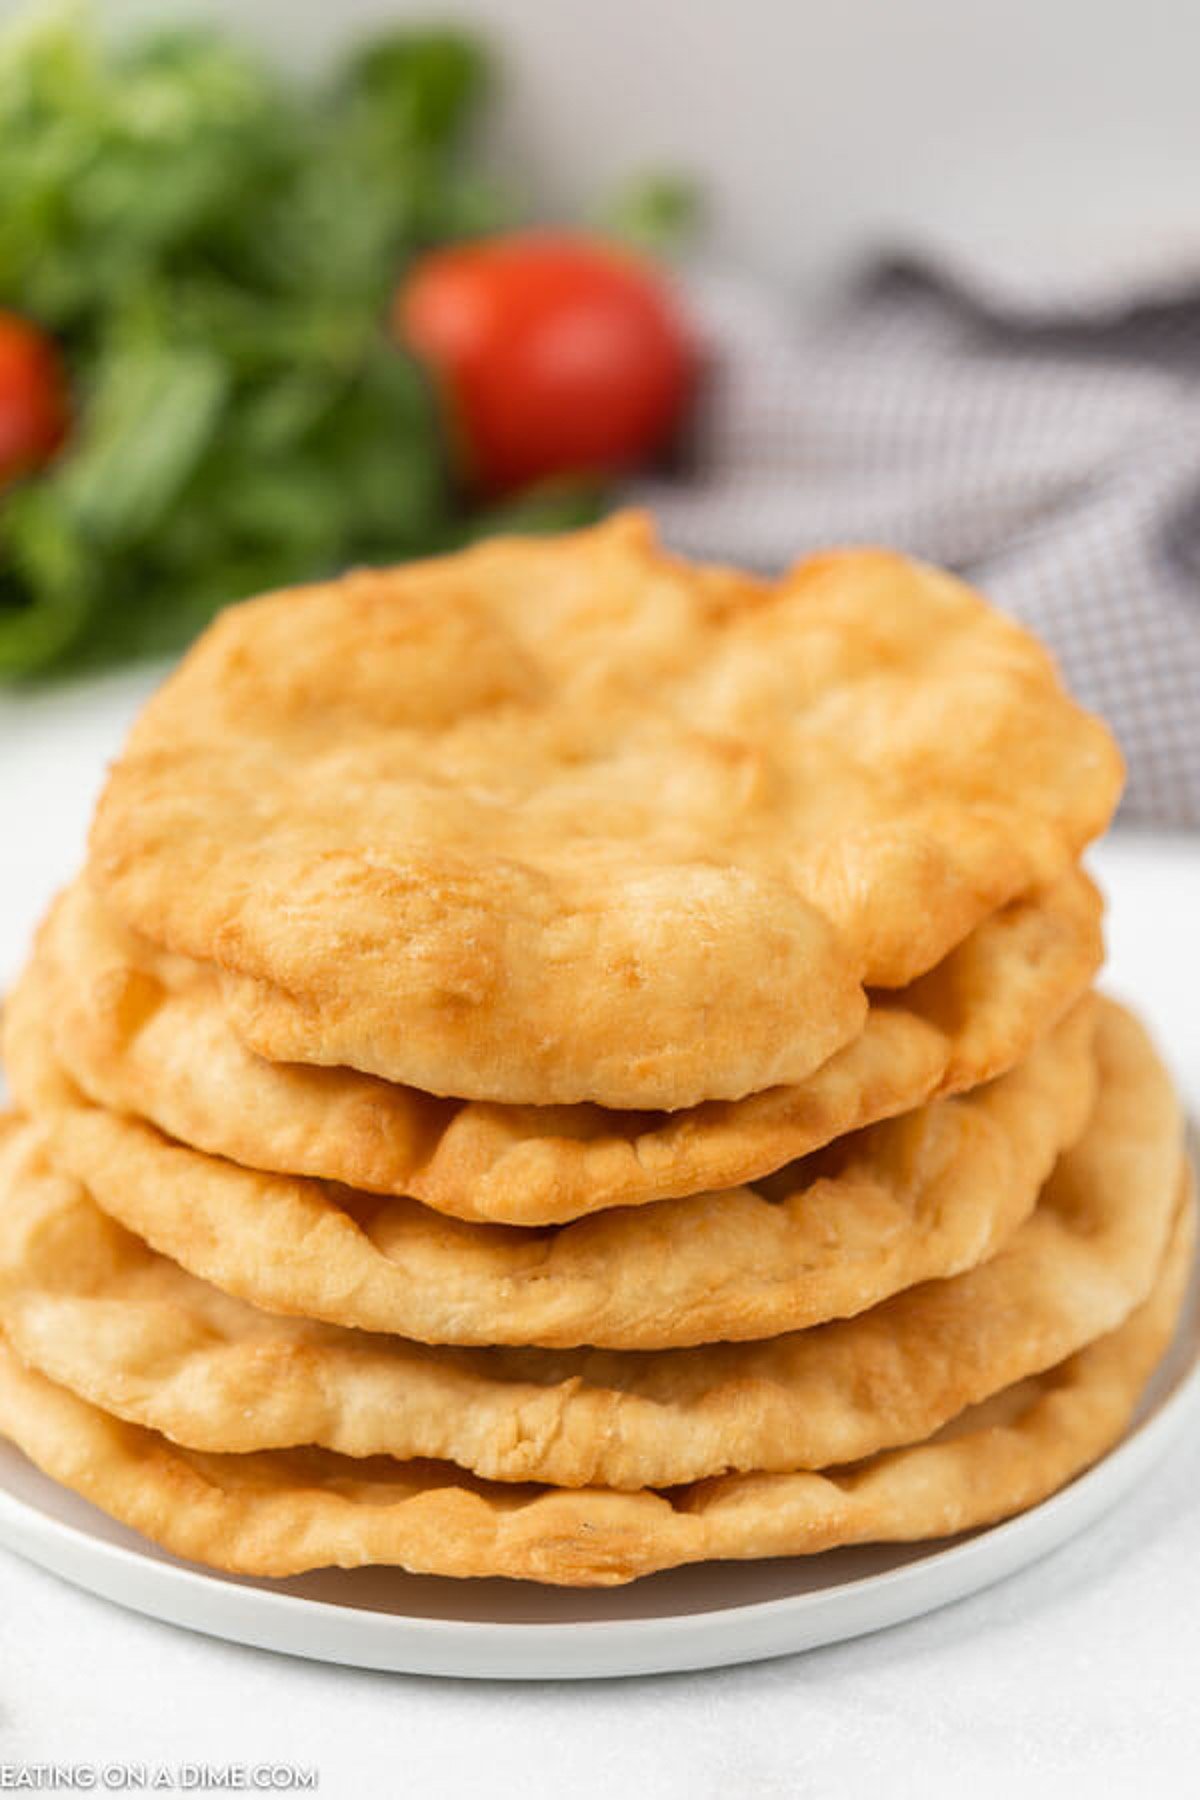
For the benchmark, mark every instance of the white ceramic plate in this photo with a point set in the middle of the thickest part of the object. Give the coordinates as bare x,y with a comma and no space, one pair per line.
685,1619
52,750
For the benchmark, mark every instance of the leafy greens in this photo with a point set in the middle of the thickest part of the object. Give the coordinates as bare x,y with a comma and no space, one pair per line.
215,252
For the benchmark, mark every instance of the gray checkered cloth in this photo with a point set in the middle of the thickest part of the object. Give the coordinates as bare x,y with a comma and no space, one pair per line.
1047,445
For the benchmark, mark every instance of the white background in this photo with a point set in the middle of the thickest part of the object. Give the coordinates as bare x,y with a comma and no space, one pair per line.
1062,126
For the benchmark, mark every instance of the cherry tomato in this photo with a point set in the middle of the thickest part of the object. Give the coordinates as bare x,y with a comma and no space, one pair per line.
33,397
557,355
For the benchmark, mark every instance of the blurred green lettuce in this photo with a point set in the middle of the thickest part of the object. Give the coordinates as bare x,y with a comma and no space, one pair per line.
215,251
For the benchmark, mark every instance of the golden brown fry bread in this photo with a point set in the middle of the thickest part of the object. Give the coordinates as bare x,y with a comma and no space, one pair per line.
283,1511
568,819
142,1032
928,1194
90,1306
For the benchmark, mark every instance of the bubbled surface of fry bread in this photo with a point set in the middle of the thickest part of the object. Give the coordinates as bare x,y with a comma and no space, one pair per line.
570,820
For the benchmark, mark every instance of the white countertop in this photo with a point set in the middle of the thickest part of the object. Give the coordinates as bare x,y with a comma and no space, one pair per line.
1077,1675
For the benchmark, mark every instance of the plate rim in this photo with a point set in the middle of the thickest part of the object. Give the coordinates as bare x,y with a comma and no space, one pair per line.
175,1592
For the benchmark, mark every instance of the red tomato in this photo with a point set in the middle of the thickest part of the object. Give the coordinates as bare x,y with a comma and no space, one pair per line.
33,397
558,355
